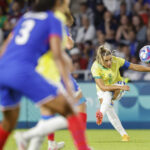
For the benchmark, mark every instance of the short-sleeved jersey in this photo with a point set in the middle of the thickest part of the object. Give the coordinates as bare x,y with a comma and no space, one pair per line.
46,65
31,38
109,75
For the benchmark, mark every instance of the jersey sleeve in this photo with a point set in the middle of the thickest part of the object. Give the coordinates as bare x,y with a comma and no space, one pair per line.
123,63
96,71
55,27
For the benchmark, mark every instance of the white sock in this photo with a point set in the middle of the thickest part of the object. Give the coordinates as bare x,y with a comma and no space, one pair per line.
35,143
45,127
114,119
107,97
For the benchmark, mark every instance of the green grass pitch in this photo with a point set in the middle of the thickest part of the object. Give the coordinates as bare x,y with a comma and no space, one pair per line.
100,140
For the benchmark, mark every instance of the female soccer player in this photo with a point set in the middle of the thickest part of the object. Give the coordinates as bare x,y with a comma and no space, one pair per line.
105,71
48,69
35,33
67,18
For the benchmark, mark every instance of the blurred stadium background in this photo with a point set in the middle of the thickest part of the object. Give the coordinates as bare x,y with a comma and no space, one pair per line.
121,25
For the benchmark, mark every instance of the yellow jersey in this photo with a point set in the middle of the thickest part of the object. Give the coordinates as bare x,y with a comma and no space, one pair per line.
46,64
109,75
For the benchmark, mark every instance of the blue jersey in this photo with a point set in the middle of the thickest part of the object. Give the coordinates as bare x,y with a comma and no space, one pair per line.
18,76
31,38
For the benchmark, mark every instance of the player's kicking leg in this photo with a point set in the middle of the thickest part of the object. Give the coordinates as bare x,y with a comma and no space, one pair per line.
107,107
116,123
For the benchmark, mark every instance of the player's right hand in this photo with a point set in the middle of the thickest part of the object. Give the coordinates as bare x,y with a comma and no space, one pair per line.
125,88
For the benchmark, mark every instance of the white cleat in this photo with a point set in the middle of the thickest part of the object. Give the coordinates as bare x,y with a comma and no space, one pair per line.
52,145
21,143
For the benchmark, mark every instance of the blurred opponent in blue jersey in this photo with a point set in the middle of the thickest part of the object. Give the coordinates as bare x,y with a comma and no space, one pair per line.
36,33
30,41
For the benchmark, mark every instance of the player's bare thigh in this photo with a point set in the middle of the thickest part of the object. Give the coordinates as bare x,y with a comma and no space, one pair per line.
10,117
58,105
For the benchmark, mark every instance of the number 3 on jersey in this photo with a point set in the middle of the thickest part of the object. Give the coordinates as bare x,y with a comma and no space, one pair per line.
24,32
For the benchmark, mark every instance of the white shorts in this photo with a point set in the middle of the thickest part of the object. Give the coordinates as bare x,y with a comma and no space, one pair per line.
100,93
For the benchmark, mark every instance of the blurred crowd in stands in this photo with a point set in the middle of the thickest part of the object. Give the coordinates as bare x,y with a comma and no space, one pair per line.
121,25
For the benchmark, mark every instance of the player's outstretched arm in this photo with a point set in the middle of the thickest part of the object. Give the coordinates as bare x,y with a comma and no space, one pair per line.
139,68
100,83
3,48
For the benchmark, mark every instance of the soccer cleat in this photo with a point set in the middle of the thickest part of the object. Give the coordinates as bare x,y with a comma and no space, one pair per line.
21,143
52,145
125,138
99,118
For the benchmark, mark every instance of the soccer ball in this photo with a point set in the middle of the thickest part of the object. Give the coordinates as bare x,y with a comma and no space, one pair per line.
145,54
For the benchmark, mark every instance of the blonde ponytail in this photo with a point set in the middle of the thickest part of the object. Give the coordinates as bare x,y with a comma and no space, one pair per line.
101,52
70,19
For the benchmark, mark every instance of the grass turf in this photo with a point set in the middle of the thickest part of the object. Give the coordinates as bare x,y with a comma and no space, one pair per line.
100,140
